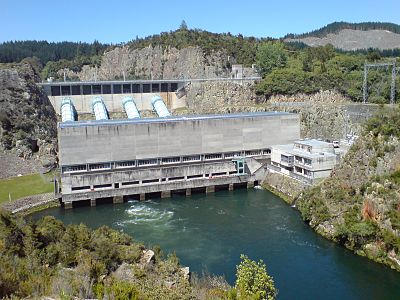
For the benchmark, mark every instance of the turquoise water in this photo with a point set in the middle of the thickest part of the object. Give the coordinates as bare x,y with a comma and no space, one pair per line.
208,233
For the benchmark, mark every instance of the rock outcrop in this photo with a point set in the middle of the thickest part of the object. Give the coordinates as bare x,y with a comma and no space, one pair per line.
27,118
156,63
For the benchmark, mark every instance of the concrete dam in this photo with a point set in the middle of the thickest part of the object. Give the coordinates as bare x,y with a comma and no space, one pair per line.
115,158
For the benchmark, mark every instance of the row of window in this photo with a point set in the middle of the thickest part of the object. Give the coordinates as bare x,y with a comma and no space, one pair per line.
162,161
147,181
126,88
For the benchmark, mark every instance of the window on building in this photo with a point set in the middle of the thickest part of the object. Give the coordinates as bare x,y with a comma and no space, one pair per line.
87,89
106,89
191,158
155,87
55,90
125,164
71,169
170,160
164,87
307,161
96,89
147,162
253,153
213,156
126,89
76,89
231,154
135,88
101,166
146,88
65,90
117,89
174,87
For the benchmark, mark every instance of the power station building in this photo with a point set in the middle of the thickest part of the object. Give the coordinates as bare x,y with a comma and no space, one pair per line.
116,158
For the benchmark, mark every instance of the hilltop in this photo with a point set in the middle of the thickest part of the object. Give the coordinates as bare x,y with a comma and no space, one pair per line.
352,36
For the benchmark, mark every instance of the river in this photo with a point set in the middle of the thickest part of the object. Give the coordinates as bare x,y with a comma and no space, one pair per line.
209,232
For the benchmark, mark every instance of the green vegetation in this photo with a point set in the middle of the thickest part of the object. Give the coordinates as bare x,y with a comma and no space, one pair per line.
359,206
253,281
46,258
15,51
23,186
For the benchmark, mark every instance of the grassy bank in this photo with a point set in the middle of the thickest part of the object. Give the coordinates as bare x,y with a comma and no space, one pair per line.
27,185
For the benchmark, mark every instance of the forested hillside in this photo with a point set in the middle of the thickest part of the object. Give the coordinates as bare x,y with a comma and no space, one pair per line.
15,51
286,68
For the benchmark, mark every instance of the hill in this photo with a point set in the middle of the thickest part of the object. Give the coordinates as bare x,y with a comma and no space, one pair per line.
352,36
359,205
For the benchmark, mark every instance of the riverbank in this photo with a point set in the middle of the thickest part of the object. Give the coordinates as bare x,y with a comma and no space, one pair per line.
30,204
291,190
283,186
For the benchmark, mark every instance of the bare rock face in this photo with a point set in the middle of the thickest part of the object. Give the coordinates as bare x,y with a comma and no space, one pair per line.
350,39
27,119
156,63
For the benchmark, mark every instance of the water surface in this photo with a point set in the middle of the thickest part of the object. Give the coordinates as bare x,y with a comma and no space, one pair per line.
208,233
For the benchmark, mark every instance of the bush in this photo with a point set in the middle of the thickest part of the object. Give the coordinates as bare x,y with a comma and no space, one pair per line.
252,280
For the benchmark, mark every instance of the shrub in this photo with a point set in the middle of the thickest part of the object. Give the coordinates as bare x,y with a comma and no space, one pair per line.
252,280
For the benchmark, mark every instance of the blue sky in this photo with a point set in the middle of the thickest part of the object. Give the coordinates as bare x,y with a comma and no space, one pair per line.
122,20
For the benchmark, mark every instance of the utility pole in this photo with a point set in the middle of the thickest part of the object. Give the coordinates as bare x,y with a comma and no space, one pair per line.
365,83
393,84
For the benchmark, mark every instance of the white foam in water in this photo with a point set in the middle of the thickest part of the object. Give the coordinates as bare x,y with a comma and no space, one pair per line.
141,213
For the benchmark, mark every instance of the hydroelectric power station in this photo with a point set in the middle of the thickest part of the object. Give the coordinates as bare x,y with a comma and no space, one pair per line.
138,157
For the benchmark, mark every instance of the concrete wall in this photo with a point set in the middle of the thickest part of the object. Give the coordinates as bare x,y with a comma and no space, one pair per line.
91,142
111,177
113,102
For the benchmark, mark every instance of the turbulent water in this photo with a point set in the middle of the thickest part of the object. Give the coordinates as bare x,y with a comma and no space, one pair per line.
208,233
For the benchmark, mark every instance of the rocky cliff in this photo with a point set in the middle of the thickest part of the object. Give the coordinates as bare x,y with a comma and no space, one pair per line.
359,205
157,63
27,119
323,115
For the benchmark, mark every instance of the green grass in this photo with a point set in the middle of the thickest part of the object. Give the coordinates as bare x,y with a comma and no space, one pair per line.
26,185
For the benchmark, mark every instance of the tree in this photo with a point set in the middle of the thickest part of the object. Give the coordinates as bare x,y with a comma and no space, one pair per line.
270,56
183,25
253,281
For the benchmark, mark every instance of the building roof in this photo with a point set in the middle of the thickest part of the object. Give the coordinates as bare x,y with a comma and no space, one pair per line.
171,119
288,149
314,143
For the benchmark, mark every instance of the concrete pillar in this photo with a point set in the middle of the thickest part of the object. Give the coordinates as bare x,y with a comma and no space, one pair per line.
142,197
210,189
92,202
166,194
250,184
67,204
230,187
188,192
118,199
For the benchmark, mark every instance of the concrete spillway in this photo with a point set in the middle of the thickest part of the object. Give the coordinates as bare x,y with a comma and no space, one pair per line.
130,108
99,109
67,110
159,107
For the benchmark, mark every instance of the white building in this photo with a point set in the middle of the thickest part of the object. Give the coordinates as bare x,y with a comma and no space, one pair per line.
307,160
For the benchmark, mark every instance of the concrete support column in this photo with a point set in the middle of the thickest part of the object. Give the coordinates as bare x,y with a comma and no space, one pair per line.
210,189
67,204
92,202
231,187
118,199
142,197
250,184
188,192
166,194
